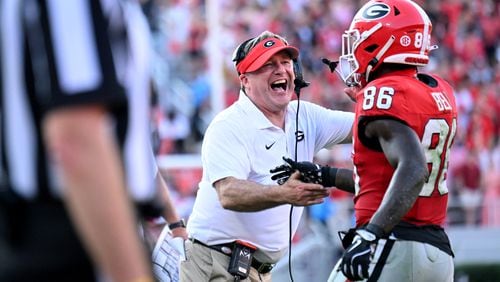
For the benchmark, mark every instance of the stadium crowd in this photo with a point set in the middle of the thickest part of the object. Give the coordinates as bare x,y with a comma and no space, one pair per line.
466,31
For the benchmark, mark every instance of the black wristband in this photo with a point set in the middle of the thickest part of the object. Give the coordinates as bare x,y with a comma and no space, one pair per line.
180,223
329,176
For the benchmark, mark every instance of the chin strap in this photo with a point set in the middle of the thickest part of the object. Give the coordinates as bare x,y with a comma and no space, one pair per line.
376,59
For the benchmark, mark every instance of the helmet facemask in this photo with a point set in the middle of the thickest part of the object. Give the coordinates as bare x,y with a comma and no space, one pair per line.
348,65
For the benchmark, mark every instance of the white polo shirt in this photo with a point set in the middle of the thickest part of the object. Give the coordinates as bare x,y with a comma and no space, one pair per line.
241,142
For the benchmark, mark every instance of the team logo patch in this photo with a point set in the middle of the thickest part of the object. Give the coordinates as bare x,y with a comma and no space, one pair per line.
269,43
405,41
376,11
299,135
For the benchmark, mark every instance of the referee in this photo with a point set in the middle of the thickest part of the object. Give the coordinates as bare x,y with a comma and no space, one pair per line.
74,140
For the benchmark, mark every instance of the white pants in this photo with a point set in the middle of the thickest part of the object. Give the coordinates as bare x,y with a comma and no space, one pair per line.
410,261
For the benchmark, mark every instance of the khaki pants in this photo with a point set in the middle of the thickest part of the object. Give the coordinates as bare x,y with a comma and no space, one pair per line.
411,261
205,264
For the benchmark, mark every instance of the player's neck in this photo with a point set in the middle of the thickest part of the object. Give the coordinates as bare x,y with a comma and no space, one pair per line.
394,69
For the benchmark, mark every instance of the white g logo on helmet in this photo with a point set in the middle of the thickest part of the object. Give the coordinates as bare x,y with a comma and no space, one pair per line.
376,11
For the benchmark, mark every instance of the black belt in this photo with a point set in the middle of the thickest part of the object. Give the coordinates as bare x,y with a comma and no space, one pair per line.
261,267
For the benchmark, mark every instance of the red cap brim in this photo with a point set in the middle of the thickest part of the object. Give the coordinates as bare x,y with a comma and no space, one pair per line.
262,52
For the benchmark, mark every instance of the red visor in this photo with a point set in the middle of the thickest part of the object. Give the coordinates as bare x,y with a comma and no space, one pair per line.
262,52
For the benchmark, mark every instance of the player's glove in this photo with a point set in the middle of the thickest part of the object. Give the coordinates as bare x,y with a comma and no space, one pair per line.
356,259
309,172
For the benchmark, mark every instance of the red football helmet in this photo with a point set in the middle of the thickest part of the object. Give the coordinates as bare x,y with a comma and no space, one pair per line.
384,31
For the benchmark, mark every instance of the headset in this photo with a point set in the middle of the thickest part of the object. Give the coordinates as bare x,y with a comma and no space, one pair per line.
299,81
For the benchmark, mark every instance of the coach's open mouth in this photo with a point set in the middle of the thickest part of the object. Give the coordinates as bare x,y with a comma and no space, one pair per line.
279,85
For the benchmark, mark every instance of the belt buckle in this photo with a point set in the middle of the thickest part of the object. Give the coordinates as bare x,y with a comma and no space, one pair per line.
265,267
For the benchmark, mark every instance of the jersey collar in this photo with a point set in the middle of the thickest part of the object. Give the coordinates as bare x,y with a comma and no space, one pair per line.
412,72
250,109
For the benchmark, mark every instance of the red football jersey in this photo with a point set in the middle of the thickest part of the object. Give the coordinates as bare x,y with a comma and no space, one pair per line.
427,105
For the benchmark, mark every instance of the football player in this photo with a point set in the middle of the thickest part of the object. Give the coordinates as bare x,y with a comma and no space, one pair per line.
404,127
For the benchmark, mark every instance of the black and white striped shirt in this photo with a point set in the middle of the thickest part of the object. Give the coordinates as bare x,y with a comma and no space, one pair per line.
59,53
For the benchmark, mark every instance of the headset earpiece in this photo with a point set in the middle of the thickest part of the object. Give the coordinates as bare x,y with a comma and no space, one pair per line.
299,81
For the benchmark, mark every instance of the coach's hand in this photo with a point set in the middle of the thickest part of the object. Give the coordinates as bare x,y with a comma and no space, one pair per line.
309,172
356,259
299,193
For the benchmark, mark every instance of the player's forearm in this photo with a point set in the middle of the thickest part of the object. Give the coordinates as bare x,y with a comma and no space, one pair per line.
337,177
402,193
344,180
402,148
169,213
95,193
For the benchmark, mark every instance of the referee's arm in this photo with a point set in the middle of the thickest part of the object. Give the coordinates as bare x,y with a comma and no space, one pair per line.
95,194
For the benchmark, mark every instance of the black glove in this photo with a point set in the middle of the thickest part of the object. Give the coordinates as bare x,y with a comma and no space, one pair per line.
309,172
356,259
281,173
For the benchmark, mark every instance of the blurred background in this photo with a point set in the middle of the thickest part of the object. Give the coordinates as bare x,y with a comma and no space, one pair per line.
194,79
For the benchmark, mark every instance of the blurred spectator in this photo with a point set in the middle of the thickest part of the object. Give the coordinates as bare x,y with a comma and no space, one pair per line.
183,184
491,200
173,131
467,183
